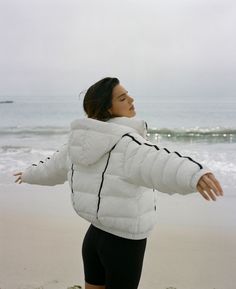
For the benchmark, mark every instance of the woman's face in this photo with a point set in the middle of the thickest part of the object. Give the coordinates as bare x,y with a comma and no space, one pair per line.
122,103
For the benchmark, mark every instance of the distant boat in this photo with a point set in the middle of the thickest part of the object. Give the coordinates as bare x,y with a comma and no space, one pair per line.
6,101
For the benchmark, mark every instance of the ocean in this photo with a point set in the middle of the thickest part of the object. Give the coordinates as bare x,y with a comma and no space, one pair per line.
33,128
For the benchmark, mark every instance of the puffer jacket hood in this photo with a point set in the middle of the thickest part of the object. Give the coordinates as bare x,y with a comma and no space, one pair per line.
82,147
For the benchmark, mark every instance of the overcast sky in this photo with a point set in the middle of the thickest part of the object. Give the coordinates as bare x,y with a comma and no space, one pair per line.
167,49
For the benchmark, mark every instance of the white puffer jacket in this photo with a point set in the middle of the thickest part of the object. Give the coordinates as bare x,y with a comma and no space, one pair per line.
113,172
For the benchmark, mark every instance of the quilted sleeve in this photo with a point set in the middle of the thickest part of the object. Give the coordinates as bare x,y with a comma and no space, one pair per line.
148,165
51,172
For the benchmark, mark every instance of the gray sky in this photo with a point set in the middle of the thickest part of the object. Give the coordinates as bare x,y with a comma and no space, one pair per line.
166,49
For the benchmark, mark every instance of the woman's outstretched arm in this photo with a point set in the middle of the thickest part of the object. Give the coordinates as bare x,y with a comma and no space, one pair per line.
169,172
52,171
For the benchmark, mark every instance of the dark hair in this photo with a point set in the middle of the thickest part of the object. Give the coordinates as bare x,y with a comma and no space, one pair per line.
98,99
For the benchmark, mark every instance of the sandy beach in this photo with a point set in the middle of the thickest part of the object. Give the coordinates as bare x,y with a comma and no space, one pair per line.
192,246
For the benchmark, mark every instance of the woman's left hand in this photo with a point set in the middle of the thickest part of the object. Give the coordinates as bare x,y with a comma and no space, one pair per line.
19,179
209,187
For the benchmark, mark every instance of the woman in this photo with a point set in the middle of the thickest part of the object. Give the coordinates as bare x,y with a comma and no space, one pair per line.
113,172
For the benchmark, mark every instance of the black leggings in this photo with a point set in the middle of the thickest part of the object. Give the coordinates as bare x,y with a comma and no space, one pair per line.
111,260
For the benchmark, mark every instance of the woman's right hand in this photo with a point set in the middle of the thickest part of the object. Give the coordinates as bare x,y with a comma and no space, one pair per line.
19,179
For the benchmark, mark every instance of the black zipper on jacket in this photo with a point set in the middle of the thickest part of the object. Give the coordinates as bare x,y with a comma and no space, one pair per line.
103,173
71,183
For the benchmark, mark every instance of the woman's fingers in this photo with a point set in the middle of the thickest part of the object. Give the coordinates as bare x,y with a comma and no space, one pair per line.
216,182
209,184
18,174
201,191
18,180
208,195
206,188
209,187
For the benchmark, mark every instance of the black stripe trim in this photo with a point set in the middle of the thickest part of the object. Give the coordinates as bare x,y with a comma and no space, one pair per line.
157,148
178,154
41,162
72,174
127,134
189,159
34,165
148,144
200,166
103,173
